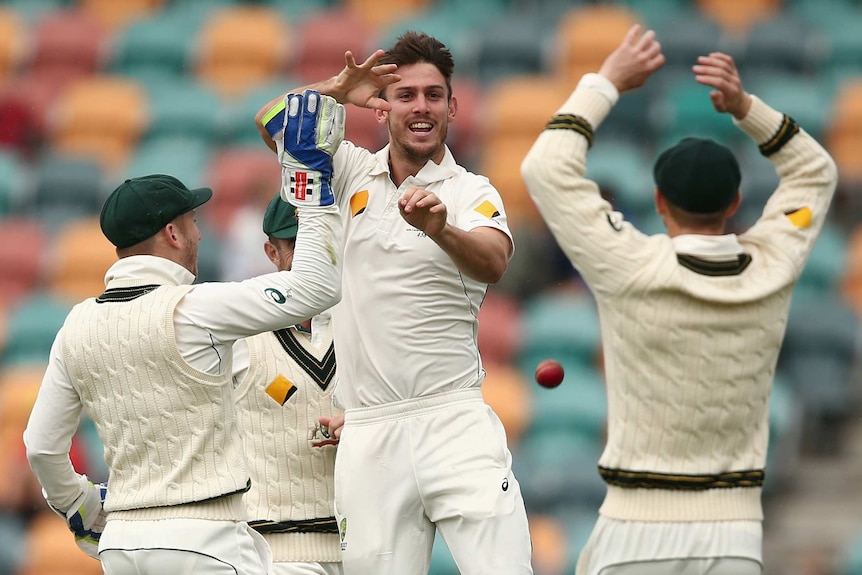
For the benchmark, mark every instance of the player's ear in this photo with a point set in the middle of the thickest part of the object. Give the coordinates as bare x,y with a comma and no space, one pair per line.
453,107
271,251
381,115
660,203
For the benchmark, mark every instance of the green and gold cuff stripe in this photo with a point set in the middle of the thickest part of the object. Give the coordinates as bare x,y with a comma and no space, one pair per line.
788,129
571,122
324,525
679,482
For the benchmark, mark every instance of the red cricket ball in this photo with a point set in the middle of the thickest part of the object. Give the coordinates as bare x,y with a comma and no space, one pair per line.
549,373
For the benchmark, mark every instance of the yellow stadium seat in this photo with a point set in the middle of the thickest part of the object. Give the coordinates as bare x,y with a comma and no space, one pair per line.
737,16
549,544
102,117
501,164
505,390
13,35
79,259
51,550
587,35
520,106
113,15
241,47
844,131
379,15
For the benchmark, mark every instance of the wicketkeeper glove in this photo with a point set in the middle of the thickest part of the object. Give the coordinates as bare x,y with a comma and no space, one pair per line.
86,518
307,129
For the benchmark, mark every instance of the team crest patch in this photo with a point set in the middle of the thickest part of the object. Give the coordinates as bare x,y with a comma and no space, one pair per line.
487,209
280,389
800,218
358,202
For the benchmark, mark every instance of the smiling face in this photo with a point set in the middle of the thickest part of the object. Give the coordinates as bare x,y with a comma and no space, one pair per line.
421,111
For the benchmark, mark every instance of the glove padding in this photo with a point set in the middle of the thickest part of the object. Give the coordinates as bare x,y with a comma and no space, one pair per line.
307,129
86,517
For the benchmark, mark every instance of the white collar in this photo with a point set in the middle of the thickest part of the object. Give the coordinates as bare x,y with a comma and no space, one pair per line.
135,271
431,172
708,247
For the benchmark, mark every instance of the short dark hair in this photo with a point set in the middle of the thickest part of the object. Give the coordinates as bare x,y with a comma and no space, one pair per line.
414,47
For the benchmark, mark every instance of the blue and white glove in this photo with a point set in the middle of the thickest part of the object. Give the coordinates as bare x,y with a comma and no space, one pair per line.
307,129
86,517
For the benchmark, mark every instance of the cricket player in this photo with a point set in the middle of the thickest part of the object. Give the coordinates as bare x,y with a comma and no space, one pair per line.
284,382
149,361
420,450
692,320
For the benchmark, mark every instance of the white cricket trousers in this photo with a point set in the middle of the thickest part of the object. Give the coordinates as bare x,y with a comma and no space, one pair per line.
181,547
299,568
406,468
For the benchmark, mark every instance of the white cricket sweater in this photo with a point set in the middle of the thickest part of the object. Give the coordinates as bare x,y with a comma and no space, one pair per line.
690,342
287,388
169,430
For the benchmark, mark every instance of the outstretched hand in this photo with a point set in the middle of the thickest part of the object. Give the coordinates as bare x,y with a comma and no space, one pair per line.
719,71
360,84
423,210
634,60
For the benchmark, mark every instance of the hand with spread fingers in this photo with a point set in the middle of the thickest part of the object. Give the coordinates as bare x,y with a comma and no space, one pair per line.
423,210
361,84
718,71
634,60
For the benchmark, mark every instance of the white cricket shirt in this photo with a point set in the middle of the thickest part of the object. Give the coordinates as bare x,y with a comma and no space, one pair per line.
406,326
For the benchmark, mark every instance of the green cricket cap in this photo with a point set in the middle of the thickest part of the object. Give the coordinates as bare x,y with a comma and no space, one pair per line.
279,220
698,175
139,207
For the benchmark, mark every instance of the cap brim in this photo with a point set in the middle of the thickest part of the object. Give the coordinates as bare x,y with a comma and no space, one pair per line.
202,196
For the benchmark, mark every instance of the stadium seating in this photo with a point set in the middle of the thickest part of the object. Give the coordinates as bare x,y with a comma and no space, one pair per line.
23,247
99,116
586,35
113,16
505,390
31,327
322,40
242,46
65,187
51,550
80,257
184,157
160,43
238,176
738,16
13,35
68,40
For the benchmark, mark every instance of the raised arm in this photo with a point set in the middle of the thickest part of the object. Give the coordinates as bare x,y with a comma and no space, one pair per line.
357,84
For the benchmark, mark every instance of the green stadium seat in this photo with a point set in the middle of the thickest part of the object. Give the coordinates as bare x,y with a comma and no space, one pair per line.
562,326
13,182
623,169
182,107
31,328
162,43
784,43
851,557
66,187
185,158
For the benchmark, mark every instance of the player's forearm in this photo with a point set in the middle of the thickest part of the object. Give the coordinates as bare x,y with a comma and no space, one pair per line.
482,253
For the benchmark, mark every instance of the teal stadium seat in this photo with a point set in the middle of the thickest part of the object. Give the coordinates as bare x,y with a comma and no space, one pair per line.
786,413
851,559
237,118
683,108
183,157
623,169
804,99
13,182
578,406
782,44
442,562
825,268
31,328
160,44
684,36
655,13
563,326
66,187
182,107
